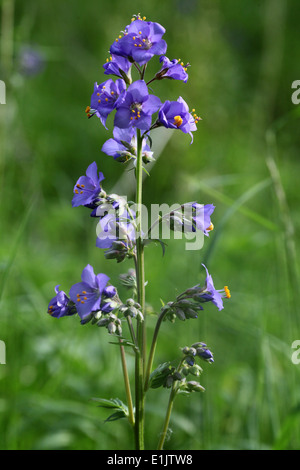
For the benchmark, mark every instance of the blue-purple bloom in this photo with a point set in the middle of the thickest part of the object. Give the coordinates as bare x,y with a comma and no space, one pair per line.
141,41
112,228
211,294
118,66
88,294
123,146
176,115
106,97
60,305
172,69
201,217
137,107
191,217
87,188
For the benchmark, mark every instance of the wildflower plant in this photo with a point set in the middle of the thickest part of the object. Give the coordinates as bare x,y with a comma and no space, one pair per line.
121,234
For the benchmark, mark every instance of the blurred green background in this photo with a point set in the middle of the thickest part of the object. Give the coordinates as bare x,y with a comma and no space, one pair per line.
244,159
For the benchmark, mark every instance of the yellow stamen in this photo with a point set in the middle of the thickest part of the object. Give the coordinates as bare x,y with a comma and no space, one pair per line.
178,121
227,292
84,292
211,227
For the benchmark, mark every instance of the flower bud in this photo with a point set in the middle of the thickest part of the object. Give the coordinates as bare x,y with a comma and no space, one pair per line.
194,386
111,328
180,314
205,354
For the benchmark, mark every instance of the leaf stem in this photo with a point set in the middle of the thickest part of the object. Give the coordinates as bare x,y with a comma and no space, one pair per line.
127,384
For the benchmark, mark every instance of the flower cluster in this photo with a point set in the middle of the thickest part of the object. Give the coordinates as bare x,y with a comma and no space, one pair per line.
92,296
136,112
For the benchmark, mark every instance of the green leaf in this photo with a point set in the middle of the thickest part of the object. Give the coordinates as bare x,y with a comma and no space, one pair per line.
159,375
114,404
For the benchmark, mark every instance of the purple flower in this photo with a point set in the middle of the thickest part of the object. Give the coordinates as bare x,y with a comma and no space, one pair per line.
60,306
137,107
191,217
201,217
118,66
124,145
209,293
176,115
87,295
31,61
172,69
141,41
113,228
87,188
106,98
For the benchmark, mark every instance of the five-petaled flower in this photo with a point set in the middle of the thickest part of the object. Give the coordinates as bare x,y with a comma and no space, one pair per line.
137,107
87,295
123,146
87,188
118,66
173,69
106,98
176,115
60,305
141,41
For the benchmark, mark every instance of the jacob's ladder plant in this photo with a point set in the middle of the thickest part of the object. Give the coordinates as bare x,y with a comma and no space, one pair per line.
120,228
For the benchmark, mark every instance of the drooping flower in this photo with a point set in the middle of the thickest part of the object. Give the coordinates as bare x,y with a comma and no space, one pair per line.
106,98
141,41
172,69
210,294
137,107
123,146
87,295
118,66
60,305
201,217
87,188
176,115
191,217
114,228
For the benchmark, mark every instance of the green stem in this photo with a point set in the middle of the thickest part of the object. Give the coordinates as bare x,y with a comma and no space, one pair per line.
173,394
164,432
140,276
152,350
127,384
